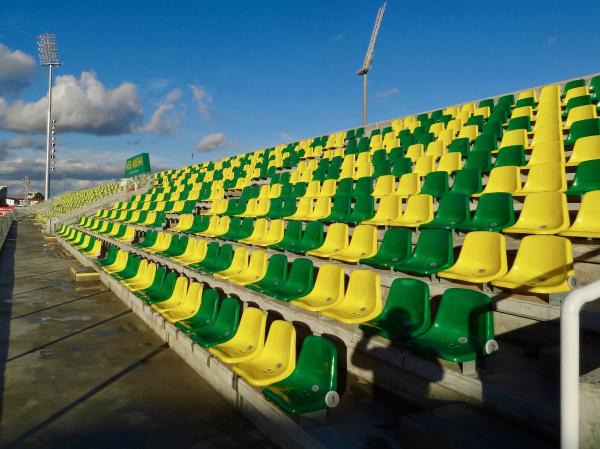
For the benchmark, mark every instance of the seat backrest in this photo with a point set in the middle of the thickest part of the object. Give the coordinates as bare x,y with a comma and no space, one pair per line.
313,233
436,183
317,363
281,342
494,207
407,302
466,314
434,245
228,317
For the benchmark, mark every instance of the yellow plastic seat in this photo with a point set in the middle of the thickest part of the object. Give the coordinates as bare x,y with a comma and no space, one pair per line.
185,222
436,148
95,250
587,222
189,306
312,189
275,191
85,242
336,240
321,209
544,264
414,152
384,186
470,131
389,209
304,208
163,241
576,92
545,178
176,298
195,252
545,152
128,236
419,210
450,162
347,168
362,300
258,233
482,258
542,213
514,137
585,149
273,235
409,184
239,264
523,111
328,188
119,263
527,94
276,361
363,167
362,245
144,281
503,179
248,341
423,166
376,142
213,226
483,110
327,291
221,227
255,270
581,113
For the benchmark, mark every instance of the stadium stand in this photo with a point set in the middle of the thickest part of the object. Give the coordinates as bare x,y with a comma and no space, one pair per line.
360,229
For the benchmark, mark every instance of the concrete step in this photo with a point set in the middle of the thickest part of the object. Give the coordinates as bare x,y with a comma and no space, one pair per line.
460,426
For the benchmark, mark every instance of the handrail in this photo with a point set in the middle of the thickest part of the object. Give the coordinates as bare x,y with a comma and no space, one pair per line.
569,362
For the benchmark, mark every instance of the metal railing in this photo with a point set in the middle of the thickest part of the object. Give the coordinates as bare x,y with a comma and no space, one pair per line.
569,362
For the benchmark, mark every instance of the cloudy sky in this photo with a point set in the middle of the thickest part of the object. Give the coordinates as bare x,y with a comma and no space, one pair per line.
210,79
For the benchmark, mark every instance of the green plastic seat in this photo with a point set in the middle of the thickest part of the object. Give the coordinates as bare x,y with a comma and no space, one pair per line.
494,212
477,120
234,229
435,184
519,123
156,286
583,128
434,252
381,168
345,187
453,210
479,160
364,209
130,270
224,326
312,238
281,207
511,155
277,270
462,146
595,88
205,316
463,328
364,186
571,85
395,247
341,209
299,282
220,262
401,167
313,383
406,314
291,236
109,257
527,101
351,147
488,102
575,102
176,248
587,178
467,181
485,142
494,126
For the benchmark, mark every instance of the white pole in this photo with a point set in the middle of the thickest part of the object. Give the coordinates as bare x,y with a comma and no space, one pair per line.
364,77
569,362
47,185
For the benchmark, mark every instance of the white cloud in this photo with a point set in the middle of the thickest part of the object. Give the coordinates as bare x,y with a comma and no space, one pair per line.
338,37
80,105
19,142
167,117
15,69
551,41
210,142
387,93
204,101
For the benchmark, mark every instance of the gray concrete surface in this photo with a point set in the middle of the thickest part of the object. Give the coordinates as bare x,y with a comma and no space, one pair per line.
78,369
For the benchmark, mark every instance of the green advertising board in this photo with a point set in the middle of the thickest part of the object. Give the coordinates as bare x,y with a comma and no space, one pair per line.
137,165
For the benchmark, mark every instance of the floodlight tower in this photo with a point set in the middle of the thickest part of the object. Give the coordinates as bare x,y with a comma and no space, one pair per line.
48,58
368,62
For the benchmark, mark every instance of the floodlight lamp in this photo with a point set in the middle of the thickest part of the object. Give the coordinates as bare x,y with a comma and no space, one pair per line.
47,50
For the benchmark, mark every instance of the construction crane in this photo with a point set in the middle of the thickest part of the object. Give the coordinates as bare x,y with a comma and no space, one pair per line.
368,62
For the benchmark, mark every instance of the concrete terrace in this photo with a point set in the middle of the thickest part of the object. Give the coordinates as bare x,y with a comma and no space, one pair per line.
79,369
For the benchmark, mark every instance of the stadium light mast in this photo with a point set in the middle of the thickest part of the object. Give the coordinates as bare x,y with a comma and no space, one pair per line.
368,62
48,58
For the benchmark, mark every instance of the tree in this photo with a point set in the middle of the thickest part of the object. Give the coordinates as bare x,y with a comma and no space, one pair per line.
38,196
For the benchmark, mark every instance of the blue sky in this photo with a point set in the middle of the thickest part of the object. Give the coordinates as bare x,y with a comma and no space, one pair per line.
225,77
